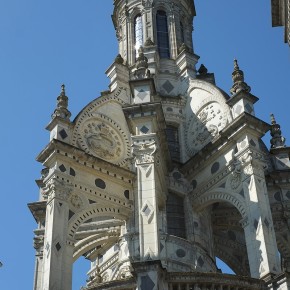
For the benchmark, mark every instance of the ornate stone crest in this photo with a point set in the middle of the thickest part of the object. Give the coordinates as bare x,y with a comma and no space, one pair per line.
102,137
204,126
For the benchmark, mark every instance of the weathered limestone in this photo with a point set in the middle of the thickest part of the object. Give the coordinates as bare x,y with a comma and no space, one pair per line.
163,173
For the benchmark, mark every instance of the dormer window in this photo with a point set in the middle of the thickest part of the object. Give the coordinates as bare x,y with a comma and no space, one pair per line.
162,34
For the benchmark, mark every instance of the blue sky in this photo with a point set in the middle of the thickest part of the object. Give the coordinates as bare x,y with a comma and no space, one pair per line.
47,43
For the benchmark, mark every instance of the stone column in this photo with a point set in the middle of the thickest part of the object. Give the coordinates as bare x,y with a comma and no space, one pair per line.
58,250
172,34
258,225
38,246
147,199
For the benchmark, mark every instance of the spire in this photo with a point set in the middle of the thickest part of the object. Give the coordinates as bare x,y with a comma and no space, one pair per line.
277,139
238,79
62,105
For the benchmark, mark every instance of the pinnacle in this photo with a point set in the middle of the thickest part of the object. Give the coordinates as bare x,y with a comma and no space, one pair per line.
238,80
62,106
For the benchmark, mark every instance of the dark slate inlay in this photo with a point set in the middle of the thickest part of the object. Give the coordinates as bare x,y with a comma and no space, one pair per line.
256,224
161,247
146,210
195,224
176,175
92,201
63,134
288,194
127,193
232,235
168,86
72,172
215,167
60,204
100,183
147,283
142,94
194,184
169,109
236,150
277,196
62,168
58,246
144,130
180,253
223,185
242,193
200,261
70,214
252,142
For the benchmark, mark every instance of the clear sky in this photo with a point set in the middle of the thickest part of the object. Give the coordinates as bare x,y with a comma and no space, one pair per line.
47,43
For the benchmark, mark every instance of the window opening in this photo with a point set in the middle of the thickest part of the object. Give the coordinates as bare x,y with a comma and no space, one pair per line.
162,34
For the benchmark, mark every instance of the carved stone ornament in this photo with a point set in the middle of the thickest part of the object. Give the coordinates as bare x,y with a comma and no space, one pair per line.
253,163
203,127
236,179
125,273
102,137
144,153
55,188
38,242
76,201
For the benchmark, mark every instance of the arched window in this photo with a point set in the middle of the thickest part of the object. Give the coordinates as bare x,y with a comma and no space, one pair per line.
162,34
138,31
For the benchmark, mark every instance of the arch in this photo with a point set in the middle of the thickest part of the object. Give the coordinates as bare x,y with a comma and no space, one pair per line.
91,242
162,34
92,212
215,196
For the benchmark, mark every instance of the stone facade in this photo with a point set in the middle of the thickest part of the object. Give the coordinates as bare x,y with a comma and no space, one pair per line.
163,172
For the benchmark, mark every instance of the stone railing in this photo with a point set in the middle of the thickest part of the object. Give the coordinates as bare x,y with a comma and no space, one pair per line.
212,281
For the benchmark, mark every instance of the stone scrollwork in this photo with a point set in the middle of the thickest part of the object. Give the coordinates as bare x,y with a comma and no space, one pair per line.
144,153
102,137
253,163
204,126
102,140
236,179
76,201
55,188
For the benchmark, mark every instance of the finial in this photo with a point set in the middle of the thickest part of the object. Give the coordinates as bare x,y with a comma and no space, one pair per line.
62,90
238,79
202,70
119,59
236,66
273,120
142,60
62,106
277,139
148,42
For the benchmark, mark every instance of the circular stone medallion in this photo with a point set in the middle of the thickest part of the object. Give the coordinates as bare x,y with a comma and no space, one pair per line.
102,137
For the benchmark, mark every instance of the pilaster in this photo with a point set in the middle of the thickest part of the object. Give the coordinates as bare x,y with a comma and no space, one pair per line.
58,250
258,226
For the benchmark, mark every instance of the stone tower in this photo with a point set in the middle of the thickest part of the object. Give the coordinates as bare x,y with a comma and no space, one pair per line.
163,172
